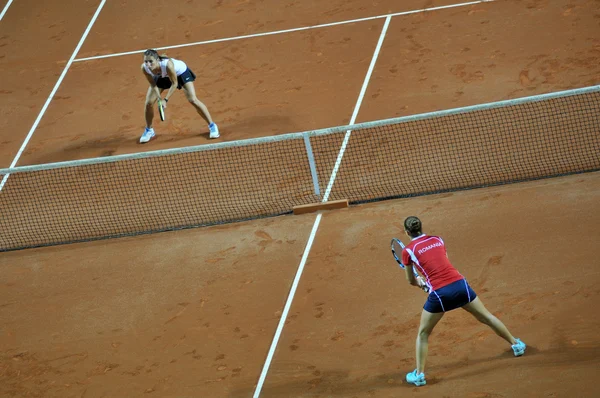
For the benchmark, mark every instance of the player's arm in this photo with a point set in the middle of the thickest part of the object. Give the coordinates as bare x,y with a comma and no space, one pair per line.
151,81
408,267
412,278
173,76
410,274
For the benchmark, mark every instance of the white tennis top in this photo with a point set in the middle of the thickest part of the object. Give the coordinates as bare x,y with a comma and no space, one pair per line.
180,67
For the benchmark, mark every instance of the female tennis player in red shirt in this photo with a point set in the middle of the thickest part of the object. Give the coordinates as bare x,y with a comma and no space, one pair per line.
164,73
448,290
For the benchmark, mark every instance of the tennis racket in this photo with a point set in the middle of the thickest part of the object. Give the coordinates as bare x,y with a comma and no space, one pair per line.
161,110
397,247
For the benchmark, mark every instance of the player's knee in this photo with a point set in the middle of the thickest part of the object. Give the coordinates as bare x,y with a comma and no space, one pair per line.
424,333
149,105
192,100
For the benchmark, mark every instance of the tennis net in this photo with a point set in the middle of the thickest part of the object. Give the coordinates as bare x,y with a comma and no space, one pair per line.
490,144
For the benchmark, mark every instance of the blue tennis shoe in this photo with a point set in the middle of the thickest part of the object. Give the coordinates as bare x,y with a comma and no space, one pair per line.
519,348
418,379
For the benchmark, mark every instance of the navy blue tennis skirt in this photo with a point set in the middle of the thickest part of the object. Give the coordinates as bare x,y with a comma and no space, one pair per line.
450,297
186,77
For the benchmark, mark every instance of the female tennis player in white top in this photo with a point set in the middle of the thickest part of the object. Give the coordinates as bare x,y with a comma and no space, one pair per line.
162,72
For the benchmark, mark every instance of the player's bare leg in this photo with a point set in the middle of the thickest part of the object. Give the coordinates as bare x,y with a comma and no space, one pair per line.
151,98
202,110
478,310
428,322
190,93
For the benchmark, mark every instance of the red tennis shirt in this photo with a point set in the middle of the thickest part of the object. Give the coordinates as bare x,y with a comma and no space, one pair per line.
428,255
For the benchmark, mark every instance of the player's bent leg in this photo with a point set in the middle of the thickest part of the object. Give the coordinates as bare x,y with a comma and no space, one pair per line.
478,310
151,99
428,322
202,110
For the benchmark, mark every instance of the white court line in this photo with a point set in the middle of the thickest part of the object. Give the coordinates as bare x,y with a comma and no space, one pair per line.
5,9
363,90
276,32
54,90
286,309
290,299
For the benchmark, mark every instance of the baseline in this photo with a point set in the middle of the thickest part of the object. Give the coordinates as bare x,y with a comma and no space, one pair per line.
288,30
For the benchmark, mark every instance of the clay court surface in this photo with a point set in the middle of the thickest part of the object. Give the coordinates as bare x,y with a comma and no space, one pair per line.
193,313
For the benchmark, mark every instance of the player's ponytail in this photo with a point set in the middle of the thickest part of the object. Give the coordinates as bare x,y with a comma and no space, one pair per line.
413,226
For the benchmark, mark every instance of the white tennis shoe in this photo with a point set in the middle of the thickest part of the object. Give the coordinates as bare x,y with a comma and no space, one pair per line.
147,136
214,130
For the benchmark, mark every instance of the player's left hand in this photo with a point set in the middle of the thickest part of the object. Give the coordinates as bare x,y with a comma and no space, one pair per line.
421,283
